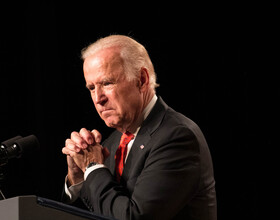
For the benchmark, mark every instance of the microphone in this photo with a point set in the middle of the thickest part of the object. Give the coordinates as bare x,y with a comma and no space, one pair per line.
9,142
15,147
18,145
4,145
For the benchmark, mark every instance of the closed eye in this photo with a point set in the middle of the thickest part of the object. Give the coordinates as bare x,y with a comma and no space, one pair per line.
90,87
107,83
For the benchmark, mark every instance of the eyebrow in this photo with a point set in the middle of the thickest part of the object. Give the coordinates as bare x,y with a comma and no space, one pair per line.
105,79
89,85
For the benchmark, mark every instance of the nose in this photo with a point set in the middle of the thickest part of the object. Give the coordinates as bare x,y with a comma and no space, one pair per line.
99,96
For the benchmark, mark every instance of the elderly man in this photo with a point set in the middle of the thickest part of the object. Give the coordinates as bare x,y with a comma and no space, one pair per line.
156,164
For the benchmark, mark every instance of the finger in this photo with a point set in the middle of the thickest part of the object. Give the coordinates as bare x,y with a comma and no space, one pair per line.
78,140
87,136
97,136
71,145
66,151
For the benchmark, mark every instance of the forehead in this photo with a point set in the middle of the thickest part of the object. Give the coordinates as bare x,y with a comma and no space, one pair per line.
104,63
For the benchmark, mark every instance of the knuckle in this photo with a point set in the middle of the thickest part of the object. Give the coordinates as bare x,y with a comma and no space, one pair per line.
80,142
96,135
67,141
83,130
64,151
73,134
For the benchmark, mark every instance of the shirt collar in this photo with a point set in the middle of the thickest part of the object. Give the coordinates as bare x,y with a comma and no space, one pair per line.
147,111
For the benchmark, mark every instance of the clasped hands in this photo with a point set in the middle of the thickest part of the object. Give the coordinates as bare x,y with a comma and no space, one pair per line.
82,148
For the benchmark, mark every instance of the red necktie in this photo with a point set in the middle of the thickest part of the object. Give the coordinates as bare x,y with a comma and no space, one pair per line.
121,153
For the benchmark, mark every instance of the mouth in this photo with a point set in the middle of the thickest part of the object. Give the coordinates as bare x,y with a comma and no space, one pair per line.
105,111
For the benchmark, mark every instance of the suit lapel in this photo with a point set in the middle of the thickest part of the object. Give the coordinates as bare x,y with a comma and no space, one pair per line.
137,149
112,143
144,135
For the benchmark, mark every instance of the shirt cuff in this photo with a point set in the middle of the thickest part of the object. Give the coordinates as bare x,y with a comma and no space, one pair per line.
90,169
73,191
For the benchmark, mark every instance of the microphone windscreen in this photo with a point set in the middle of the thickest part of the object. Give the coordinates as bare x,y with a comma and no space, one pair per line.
27,144
10,142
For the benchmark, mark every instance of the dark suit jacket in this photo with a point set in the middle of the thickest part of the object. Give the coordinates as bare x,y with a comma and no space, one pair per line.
170,178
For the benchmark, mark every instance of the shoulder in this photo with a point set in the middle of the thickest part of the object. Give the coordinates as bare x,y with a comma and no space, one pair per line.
171,119
165,114
176,127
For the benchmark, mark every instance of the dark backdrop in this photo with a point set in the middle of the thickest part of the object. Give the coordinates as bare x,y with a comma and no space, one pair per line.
206,59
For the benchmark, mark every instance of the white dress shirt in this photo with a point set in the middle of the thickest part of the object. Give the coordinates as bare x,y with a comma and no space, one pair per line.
73,191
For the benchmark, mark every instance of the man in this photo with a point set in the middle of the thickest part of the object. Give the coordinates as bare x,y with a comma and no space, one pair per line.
163,171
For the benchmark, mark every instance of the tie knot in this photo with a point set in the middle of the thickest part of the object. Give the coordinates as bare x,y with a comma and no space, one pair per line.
126,138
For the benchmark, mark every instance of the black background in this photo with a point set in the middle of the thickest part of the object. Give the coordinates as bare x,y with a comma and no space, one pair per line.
208,60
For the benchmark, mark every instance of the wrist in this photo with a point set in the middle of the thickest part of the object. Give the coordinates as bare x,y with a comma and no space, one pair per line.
71,182
74,178
91,168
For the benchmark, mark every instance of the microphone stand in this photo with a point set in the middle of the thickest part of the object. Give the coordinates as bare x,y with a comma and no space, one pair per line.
2,177
2,197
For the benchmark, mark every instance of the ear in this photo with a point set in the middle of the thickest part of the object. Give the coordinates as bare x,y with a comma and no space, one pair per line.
144,79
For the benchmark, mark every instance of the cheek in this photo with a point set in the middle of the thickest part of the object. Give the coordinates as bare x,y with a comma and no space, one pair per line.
131,105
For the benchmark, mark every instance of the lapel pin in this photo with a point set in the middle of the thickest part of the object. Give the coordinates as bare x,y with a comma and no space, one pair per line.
142,147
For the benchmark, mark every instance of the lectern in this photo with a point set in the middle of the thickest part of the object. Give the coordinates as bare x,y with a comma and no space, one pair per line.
38,208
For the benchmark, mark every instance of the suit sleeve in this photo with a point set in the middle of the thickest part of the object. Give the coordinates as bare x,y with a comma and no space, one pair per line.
169,180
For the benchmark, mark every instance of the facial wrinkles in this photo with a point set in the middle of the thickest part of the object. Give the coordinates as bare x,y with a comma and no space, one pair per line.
98,70
103,76
122,97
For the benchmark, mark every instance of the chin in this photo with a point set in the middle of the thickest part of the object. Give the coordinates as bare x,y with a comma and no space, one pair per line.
113,124
110,123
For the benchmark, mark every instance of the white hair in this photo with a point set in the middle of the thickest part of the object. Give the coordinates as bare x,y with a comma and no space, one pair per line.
134,55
